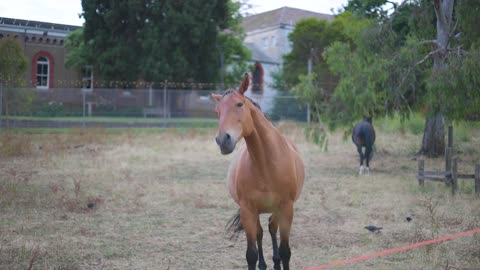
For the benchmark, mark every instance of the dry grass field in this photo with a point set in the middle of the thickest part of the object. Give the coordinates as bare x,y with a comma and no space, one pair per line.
101,199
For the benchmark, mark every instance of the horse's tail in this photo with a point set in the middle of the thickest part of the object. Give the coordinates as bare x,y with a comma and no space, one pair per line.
234,227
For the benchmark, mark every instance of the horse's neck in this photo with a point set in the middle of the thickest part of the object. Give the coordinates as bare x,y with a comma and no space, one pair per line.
262,143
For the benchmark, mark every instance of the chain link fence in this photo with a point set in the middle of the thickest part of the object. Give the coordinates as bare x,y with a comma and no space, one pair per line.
113,107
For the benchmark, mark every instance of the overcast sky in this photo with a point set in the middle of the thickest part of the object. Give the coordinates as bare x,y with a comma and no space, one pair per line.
66,11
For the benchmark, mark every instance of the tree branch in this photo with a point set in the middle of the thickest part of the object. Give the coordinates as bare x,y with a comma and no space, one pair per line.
432,41
428,55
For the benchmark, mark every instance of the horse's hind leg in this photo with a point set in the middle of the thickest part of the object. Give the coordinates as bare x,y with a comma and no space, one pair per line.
362,157
285,224
261,260
272,228
368,155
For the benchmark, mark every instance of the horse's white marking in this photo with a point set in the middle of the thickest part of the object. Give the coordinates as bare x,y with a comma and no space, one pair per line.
364,170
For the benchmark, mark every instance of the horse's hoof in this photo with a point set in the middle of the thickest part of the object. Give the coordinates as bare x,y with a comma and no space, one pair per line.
361,170
368,170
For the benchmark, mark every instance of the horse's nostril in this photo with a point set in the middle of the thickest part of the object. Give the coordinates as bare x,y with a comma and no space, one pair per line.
227,136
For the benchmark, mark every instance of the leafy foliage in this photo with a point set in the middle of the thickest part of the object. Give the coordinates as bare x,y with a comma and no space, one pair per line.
456,90
309,39
78,53
161,40
377,70
13,63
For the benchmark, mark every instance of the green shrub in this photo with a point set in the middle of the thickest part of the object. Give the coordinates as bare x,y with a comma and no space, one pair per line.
461,132
413,124
318,135
50,109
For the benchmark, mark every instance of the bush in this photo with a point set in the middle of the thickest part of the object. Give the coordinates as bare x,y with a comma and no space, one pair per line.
413,124
51,109
461,132
17,101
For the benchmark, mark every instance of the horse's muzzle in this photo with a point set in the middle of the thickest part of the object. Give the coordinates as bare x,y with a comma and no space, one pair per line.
226,143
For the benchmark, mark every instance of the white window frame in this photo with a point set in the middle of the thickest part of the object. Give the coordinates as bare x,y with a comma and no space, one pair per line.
46,62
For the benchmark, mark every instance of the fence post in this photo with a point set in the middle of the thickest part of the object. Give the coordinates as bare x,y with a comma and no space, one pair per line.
308,113
165,102
421,166
450,136
448,164
83,107
150,95
477,178
454,175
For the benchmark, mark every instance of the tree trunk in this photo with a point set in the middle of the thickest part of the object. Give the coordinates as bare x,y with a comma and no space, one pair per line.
433,143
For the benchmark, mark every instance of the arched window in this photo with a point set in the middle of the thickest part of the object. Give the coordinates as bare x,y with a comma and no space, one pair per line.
42,72
43,69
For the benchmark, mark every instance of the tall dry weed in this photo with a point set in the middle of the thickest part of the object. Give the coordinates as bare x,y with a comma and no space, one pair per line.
13,145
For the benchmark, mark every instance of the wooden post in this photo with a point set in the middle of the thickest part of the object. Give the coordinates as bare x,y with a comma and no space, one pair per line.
165,102
450,136
454,175
421,166
448,164
477,179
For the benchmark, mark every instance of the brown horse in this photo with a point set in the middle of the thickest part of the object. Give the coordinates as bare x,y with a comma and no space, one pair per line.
266,176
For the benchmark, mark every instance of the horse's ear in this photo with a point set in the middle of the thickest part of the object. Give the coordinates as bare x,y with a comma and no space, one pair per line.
216,97
244,86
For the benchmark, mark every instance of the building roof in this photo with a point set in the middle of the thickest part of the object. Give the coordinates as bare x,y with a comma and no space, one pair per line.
259,55
281,16
37,25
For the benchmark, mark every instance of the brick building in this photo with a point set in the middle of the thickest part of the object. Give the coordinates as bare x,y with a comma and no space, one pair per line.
43,45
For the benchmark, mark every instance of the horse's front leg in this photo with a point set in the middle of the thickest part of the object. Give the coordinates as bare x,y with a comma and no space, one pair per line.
249,223
285,224
272,228
261,260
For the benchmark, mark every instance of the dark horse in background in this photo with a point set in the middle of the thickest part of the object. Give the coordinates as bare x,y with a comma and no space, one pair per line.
363,135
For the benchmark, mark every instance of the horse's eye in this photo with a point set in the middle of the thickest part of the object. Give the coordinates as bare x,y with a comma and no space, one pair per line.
240,104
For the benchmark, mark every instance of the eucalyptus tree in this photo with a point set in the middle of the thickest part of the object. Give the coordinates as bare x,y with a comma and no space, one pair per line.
414,59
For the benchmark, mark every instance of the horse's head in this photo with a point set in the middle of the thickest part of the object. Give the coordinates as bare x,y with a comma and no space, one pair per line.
368,119
235,120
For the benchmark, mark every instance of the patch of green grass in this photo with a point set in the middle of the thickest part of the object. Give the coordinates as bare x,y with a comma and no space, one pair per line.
413,124
462,132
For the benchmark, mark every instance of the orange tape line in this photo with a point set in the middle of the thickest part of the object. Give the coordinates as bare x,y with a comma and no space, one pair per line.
394,250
